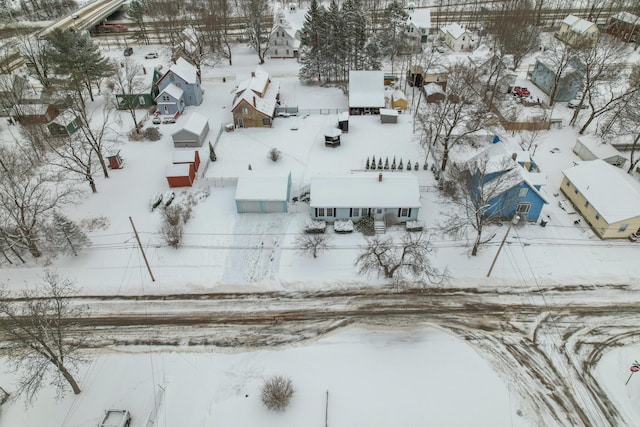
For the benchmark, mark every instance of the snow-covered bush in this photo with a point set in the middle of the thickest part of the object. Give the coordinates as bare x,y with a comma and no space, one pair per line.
415,225
152,134
315,226
274,154
277,392
343,226
366,226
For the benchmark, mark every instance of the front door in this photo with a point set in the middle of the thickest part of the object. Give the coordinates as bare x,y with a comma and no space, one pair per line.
240,123
378,216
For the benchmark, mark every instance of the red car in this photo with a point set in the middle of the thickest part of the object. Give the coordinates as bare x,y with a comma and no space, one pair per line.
521,91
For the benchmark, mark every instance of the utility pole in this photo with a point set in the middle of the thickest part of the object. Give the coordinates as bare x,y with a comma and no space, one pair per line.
142,250
514,220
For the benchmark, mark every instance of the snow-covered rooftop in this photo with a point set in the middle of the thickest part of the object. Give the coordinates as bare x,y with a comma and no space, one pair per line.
613,193
398,95
598,147
433,88
184,156
365,190
187,71
627,17
421,18
267,104
332,132
454,30
196,123
388,112
570,20
65,117
576,24
256,82
366,89
171,90
260,186
180,169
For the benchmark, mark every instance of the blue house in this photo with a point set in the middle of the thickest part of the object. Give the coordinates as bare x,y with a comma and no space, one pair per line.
391,196
170,100
186,77
544,76
510,182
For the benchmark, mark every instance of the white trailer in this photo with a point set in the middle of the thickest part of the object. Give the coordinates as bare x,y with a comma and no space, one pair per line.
116,418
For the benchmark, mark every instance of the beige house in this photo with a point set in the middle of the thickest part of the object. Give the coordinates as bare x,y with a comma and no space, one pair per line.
256,100
574,30
606,197
399,100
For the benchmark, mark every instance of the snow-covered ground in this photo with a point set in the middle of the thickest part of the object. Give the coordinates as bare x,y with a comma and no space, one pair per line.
399,377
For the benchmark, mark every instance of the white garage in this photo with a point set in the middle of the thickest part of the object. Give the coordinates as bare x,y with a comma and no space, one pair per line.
260,193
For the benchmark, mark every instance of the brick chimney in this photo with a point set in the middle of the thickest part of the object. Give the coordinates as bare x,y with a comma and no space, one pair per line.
253,74
514,156
144,70
254,102
379,177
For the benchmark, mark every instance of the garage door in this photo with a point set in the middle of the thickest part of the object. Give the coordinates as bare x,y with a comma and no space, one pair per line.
249,206
274,207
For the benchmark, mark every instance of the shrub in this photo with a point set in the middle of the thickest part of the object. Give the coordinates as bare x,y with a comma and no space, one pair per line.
274,154
414,225
366,226
172,227
343,226
276,393
152,134
315,226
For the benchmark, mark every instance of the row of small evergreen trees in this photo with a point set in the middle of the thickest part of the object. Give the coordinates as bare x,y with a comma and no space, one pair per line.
371,164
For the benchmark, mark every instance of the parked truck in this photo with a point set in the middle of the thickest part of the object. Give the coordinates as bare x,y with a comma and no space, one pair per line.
116,418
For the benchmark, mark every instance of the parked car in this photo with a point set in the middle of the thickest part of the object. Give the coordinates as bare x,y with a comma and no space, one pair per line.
151,55
521,91
440,49
156,120
574,104
128,51
168,120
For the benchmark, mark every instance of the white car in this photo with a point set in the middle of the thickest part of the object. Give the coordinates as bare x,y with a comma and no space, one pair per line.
151,55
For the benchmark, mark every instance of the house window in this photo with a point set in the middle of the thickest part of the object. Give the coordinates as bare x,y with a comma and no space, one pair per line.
141,100
597,217
623,227
523,208
276,52
576,191
286,42
165,98
523,192
404,212
275,42
287,51
330,211
320,212
355,212
586,204
244,110
568,184
172,77
266,122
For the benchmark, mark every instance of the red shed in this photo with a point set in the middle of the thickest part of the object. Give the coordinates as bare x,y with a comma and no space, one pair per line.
181,175
189,156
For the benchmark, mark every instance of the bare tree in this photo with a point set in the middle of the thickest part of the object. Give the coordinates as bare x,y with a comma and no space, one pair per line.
403,261
479,189
28,197
34,51
216,27
259,26
277,392
41,344
174,218
602,64
453,119
128,81
313,244
76,155
559,60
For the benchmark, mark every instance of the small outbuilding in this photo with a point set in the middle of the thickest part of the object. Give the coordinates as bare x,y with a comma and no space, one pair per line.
591,147
332,137
366,92
388,115
260,193
187,157
181,175
193,133
399,100
343,122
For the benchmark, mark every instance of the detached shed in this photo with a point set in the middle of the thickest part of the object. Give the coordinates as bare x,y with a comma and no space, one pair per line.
591,147
259,193
388,116
332,137
343,122
181,175
193,133
188,157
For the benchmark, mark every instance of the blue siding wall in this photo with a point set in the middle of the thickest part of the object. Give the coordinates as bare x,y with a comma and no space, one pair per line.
512,199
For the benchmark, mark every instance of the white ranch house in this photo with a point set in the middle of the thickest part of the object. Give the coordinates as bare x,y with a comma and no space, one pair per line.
457,38
394,195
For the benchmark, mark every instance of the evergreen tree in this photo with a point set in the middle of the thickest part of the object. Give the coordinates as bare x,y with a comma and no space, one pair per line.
380,163
416,166
76,58
409,165
386,163
392,32
66,236
367,165
393,164
212,154
313,43
400,167
373,53
137,10
373,162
